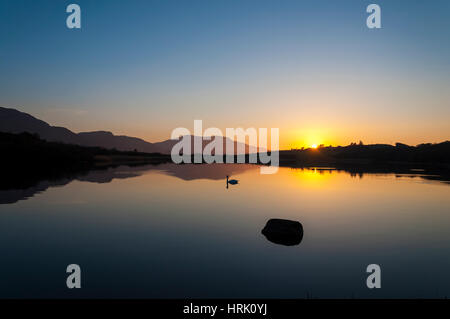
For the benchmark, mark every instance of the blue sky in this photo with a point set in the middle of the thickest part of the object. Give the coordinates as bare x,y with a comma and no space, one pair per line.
311,68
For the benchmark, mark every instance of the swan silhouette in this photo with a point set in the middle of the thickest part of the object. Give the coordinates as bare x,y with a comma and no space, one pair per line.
231,181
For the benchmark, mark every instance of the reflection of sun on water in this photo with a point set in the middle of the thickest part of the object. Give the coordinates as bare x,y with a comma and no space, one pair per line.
311,177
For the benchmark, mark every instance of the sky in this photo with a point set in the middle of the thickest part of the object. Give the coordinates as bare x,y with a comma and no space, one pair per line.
310,68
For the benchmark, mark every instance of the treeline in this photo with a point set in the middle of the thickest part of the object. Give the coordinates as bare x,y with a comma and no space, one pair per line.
28,150
25,159
438,153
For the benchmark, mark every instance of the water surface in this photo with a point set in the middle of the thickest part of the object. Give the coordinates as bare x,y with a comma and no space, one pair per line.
177,231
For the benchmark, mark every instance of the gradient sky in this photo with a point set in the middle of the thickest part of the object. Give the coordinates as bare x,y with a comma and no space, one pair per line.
311,68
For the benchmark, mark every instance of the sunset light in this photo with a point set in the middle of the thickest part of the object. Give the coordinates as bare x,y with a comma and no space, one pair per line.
209,158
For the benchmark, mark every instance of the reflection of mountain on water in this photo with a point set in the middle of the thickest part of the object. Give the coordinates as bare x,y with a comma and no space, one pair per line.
190,172
19,187
108,175
10,196
185,172
16,187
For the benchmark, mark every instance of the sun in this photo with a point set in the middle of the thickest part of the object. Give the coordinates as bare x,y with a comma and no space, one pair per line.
314,146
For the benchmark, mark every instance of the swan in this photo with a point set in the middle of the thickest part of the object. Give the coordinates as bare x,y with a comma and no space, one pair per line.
231,181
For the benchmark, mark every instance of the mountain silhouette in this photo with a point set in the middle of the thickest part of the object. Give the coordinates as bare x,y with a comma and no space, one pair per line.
14,121
165,147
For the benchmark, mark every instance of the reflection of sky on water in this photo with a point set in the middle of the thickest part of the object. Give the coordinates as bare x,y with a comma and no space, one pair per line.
158,235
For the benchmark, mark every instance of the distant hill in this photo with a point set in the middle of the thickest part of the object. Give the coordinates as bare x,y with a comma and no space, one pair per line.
14,121
165,147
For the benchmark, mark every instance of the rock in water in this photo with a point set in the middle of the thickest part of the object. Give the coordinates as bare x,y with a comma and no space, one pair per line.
283,232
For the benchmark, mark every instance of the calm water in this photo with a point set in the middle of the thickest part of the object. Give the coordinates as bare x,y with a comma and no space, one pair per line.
176,231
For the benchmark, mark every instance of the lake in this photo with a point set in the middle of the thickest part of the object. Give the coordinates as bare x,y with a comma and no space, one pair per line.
176,231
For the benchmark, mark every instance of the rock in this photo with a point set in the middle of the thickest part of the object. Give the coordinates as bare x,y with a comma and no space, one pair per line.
283,232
